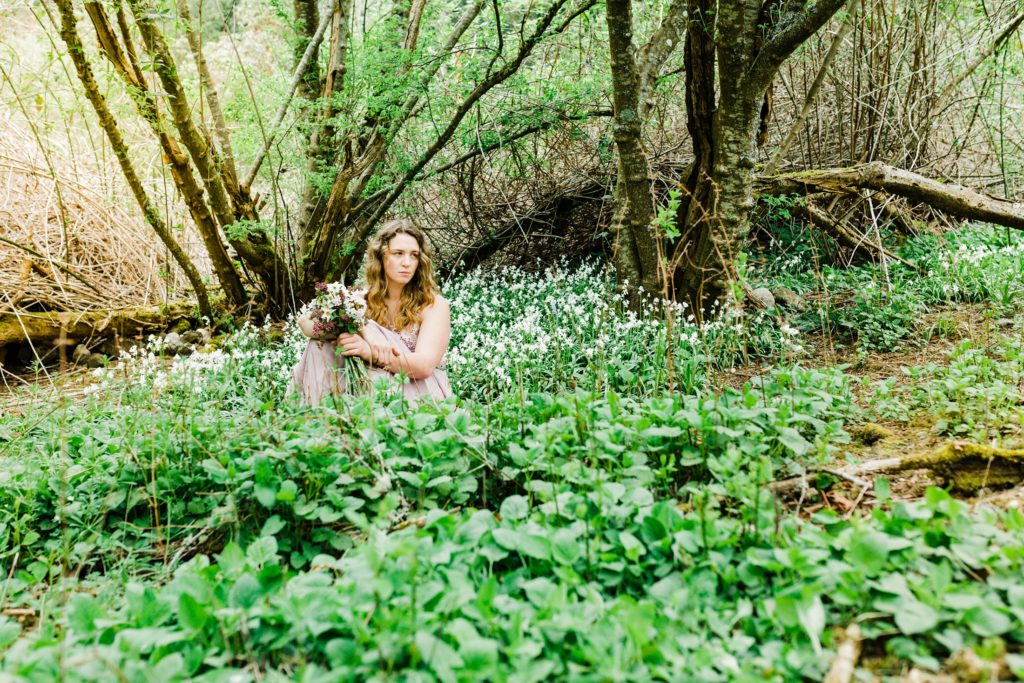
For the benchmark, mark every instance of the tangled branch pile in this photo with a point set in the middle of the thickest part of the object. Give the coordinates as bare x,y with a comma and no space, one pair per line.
63,248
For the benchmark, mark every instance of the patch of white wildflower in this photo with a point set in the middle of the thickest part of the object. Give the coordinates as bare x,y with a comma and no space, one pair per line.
511,331
244,364
570,327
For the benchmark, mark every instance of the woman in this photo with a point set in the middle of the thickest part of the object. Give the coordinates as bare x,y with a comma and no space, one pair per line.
408,323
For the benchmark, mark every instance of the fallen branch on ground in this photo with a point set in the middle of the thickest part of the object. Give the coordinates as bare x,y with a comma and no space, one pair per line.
965,467
42,327
956,200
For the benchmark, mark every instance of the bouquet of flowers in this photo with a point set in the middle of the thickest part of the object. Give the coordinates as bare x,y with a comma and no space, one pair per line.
335,310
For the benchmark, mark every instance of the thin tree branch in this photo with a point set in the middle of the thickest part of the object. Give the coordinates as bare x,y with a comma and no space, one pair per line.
482,89
69,33
812,93
300,70
665,40
793,29
220,126
1003,36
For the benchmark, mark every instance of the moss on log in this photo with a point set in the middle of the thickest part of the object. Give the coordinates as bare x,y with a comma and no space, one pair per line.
71,325
966,467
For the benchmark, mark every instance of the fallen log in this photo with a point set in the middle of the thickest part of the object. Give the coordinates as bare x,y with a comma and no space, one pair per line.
956,200
964,467
64,326
967,467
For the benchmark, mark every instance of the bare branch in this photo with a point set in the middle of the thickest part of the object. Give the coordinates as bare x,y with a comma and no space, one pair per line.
1005,34
797,23
300,70
812,93
482,89
69,33
652,56
220,126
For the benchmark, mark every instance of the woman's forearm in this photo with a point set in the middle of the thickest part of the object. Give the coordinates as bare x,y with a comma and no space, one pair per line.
415,365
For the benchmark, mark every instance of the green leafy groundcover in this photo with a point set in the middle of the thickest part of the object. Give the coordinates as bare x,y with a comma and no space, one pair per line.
189,520
95,485
603,584
571,537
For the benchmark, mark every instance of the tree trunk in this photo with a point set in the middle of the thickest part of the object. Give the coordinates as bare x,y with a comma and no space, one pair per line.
751,41
126,64
69,32
635,251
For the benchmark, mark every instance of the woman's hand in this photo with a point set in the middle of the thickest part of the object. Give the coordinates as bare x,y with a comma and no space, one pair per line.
306,325
381,351
354,345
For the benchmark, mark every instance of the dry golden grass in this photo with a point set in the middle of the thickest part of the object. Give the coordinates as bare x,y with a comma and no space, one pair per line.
64,244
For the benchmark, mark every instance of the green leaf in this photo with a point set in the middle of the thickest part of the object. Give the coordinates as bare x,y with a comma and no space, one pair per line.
539,591
245,592
514,507
439,655
913,617
83,611
869,552
288,491
232,559
273,524
9,631
479,654
653,529
665,432
882,491
632,546
262,551
565,549
987,622
812,617
191,613
613,490
1016,664
791,439
534,546
266,495
506,538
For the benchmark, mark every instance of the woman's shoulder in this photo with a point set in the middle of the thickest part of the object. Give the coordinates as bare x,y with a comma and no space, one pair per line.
438,307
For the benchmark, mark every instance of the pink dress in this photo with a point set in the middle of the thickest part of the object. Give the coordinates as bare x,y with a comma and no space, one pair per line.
318,372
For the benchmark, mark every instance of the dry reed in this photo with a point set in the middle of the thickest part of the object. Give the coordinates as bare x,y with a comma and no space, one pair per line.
63,245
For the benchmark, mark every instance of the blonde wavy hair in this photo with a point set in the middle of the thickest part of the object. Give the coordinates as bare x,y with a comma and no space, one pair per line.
419,293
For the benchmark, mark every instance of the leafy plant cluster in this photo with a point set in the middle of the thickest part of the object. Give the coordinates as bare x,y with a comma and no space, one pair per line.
880,309
571,583
135,476
977,394
188,519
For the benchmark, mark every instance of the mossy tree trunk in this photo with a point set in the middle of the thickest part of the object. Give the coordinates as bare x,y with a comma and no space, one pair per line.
749,40
633,72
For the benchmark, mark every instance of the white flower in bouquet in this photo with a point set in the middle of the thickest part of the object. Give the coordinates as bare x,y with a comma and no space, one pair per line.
335,310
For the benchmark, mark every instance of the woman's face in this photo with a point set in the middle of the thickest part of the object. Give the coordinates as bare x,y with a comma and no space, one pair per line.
401,258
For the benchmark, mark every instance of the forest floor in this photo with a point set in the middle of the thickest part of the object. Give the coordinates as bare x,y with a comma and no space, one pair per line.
567,517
